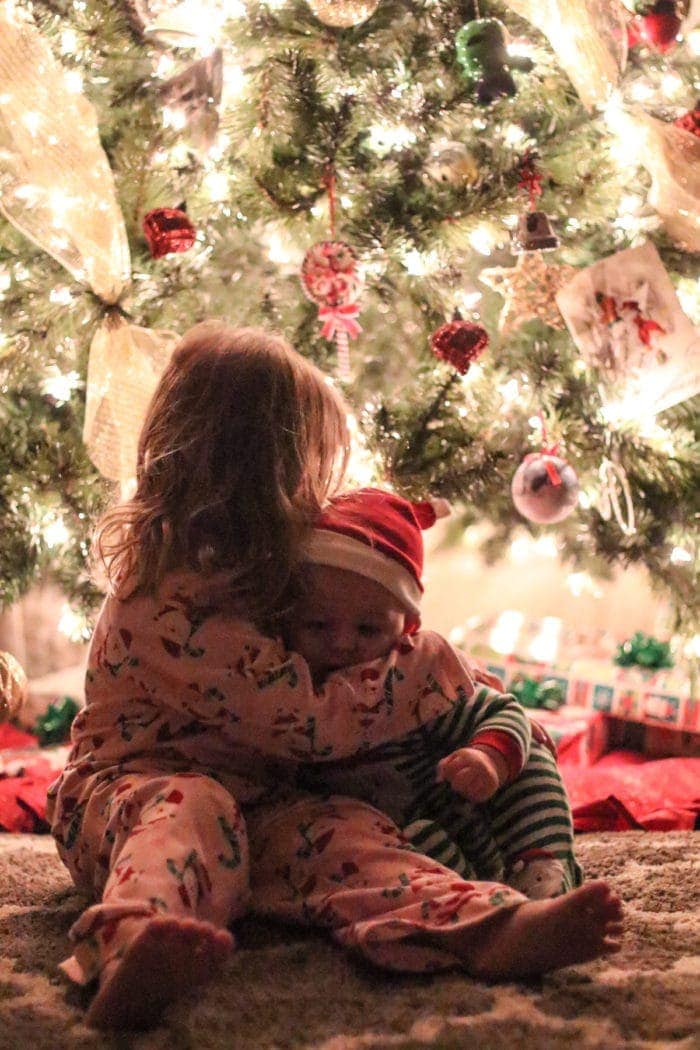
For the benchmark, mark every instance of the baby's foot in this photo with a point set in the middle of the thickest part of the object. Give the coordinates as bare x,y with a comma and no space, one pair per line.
167,958
543,935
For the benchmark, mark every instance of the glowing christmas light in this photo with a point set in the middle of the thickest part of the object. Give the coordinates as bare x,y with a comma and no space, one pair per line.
165,65
465,301
363,467
503,637
692,648
235,82
174,118
581,583
544,647
384,138
216,185
509,391
61,385
483,240
278,248
418,264
671,84
688,292
32,121
514,135
74,81
641,91
55,533
524,548
61,295
73,625
456,636
68,42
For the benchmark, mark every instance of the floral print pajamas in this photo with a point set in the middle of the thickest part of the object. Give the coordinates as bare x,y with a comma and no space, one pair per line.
179,791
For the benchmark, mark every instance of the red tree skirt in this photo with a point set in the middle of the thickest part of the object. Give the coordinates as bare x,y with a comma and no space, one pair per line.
625,790
25,775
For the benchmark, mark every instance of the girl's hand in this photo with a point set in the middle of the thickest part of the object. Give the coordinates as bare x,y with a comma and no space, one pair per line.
473,773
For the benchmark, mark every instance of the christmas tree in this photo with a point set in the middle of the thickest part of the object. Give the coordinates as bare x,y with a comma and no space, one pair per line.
428,199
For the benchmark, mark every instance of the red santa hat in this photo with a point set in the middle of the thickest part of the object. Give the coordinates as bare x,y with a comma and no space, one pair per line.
378,535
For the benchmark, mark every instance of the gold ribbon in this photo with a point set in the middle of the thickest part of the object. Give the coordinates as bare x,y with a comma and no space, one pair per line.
180,23
124,367
589,38
55,180
672,158
57,188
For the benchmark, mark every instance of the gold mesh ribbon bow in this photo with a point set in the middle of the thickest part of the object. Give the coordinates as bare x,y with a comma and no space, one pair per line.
589,38
57,188
672,158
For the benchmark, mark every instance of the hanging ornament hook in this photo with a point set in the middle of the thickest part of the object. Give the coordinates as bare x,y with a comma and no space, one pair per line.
613,481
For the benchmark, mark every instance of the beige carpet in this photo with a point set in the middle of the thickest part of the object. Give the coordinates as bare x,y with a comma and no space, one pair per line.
291,990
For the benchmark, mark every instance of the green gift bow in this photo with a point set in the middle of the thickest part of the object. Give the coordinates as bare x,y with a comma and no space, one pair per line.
641,650
53,727
547,693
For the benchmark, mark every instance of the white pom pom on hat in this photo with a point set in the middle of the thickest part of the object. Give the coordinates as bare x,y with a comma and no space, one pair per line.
377,534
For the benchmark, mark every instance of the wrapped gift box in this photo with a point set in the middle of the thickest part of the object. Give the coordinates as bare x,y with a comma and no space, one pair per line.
652,741
581,736
652,712
660,698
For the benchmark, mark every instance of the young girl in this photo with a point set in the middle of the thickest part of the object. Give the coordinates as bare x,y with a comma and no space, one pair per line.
195,715
466,791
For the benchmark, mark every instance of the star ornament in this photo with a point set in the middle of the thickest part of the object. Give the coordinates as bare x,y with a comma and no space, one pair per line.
529,289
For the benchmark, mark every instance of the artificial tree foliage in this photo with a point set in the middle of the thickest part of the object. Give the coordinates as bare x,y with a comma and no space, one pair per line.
373,104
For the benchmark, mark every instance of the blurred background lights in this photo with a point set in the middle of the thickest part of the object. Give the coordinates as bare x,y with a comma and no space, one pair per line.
504,634
60,385
580,583
55,533
73,625
483,240
544,647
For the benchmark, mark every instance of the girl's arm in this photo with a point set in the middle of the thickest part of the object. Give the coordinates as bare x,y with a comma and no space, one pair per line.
223,673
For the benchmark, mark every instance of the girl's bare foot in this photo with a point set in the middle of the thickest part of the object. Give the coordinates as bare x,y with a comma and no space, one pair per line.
543,935
167,958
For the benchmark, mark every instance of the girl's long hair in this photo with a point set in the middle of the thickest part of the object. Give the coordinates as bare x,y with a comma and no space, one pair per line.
243,442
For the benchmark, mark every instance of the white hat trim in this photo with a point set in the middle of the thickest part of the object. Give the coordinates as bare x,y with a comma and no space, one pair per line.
325,547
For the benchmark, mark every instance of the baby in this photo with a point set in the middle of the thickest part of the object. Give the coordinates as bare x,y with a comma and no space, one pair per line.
457,788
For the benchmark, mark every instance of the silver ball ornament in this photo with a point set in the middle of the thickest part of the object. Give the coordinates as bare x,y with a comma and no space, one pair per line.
544,489
341,14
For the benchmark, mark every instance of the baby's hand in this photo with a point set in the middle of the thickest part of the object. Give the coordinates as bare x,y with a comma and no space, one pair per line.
473,773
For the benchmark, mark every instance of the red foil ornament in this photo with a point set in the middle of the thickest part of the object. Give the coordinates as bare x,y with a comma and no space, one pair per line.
460,343
168,230
657,27
690,121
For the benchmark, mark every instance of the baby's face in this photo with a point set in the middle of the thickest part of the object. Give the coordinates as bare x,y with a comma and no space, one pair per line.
343,619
